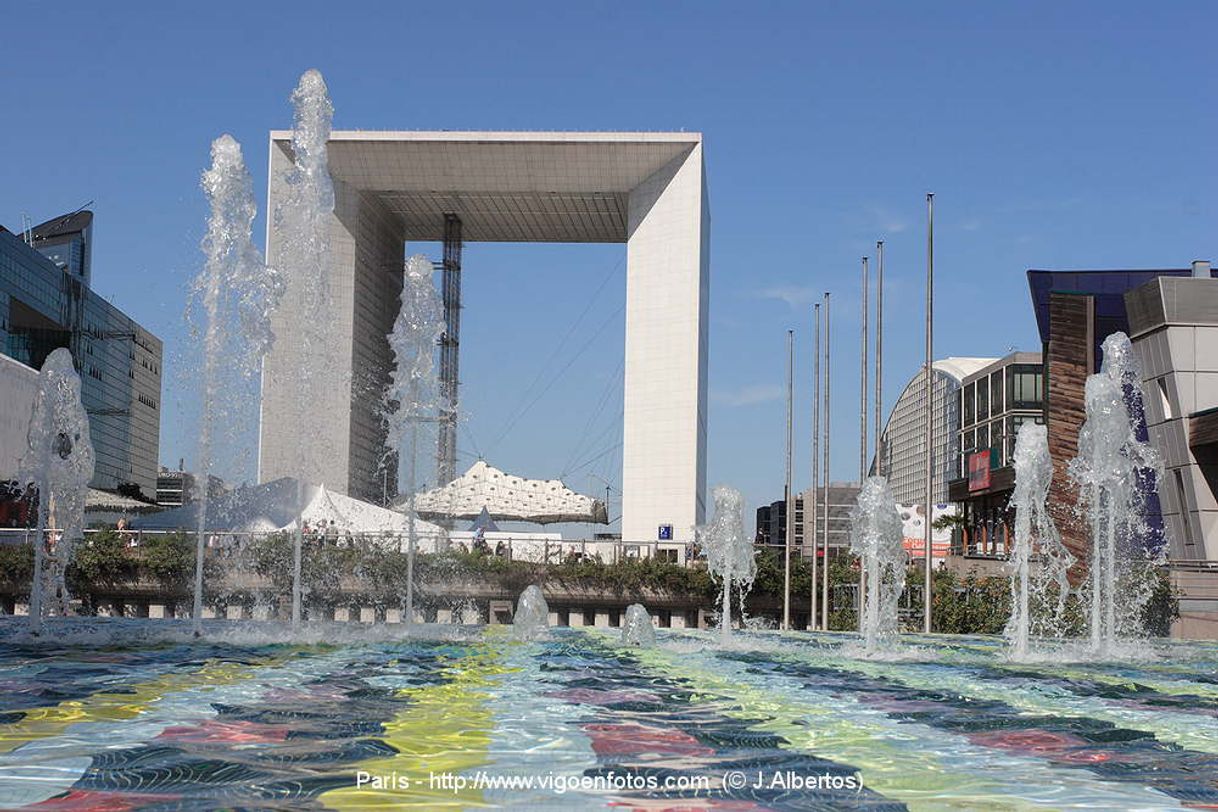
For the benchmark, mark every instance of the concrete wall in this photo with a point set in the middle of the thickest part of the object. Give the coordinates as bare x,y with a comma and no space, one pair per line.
18,388
667,293
1174,322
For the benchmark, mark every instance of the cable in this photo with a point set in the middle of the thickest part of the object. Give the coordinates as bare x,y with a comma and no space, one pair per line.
517,411
512,424
608,450
610,388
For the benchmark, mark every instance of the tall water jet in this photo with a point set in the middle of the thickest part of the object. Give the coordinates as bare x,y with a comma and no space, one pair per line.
637,629
876,537
1038,599
532,617
302,253
235,293
1116,473
412,394
59,461
729,553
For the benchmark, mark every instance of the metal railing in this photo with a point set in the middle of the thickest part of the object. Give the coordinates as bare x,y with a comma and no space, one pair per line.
540,551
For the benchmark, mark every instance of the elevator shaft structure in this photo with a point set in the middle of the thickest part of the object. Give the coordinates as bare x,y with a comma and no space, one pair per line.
450,352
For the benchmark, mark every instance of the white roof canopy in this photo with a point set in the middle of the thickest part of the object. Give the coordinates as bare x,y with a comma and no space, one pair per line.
508,498
272,506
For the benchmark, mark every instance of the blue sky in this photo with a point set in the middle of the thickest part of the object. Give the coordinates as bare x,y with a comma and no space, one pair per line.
1055,135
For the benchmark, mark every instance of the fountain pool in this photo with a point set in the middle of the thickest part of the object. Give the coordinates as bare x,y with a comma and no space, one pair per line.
127,714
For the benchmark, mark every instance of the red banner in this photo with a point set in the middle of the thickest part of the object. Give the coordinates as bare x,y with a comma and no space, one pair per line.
979,471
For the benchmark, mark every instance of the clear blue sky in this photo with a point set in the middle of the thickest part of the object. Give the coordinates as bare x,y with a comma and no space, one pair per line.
1055,135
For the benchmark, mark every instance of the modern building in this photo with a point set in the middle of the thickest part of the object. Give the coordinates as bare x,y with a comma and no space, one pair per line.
1075,312
992,404
180,487
903,440
46,303
772,524
772,519
1173,322
646,190
842,499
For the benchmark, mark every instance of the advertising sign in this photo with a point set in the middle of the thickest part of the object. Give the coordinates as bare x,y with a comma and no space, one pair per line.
979,471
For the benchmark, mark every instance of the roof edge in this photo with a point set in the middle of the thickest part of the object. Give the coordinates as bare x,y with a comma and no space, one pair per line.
507,136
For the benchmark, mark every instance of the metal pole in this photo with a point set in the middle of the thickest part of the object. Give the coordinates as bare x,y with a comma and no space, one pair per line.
824,573
789,533
863,426
863,383
879,351
813,498
930,408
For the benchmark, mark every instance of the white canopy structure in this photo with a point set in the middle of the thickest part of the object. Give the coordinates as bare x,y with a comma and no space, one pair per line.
272,506
508,498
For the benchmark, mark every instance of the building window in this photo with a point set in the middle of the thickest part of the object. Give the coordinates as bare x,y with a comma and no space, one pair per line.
969,406
1165,400
983,400
996,392
1025,387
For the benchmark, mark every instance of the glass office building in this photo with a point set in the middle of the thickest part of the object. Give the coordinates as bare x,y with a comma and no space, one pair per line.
46,303
903,441
992,404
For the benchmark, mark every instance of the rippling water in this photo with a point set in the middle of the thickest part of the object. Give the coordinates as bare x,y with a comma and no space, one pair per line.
125,715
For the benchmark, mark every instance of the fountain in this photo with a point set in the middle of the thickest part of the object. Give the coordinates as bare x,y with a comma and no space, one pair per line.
638,630
729,553
1038,599
59,462
1116,472
532,617
412,392
236,292
876,537
302,254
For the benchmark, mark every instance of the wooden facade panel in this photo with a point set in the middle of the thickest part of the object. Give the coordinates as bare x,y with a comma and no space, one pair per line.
1068,361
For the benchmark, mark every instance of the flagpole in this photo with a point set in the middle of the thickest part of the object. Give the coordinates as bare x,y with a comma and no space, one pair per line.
930,409
879,350
790,502
863,425
824,572
813,498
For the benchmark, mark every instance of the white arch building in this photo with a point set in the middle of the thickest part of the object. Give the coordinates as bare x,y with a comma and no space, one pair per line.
903,441
647,190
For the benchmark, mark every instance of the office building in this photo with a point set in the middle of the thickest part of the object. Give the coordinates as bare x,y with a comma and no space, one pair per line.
46,303
1173,322
903,440
992,404
1075,312
772,519
646,190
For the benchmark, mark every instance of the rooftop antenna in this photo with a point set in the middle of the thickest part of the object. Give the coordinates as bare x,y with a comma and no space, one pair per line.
27,229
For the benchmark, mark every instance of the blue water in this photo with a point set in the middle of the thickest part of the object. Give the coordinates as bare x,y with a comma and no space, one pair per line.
124,714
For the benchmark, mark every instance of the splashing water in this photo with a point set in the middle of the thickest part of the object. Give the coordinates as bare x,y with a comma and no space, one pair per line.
532,617
412,394
729,552
59,461
302,252
637,629
1038,598
876,537
1116,473
236,292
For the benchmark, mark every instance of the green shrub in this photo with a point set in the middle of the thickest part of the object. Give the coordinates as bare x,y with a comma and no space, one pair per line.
17,563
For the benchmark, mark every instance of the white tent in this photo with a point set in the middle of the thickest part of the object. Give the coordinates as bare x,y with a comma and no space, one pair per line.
272,507
507,498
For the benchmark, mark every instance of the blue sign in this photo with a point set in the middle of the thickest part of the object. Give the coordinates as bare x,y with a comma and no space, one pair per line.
666,532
